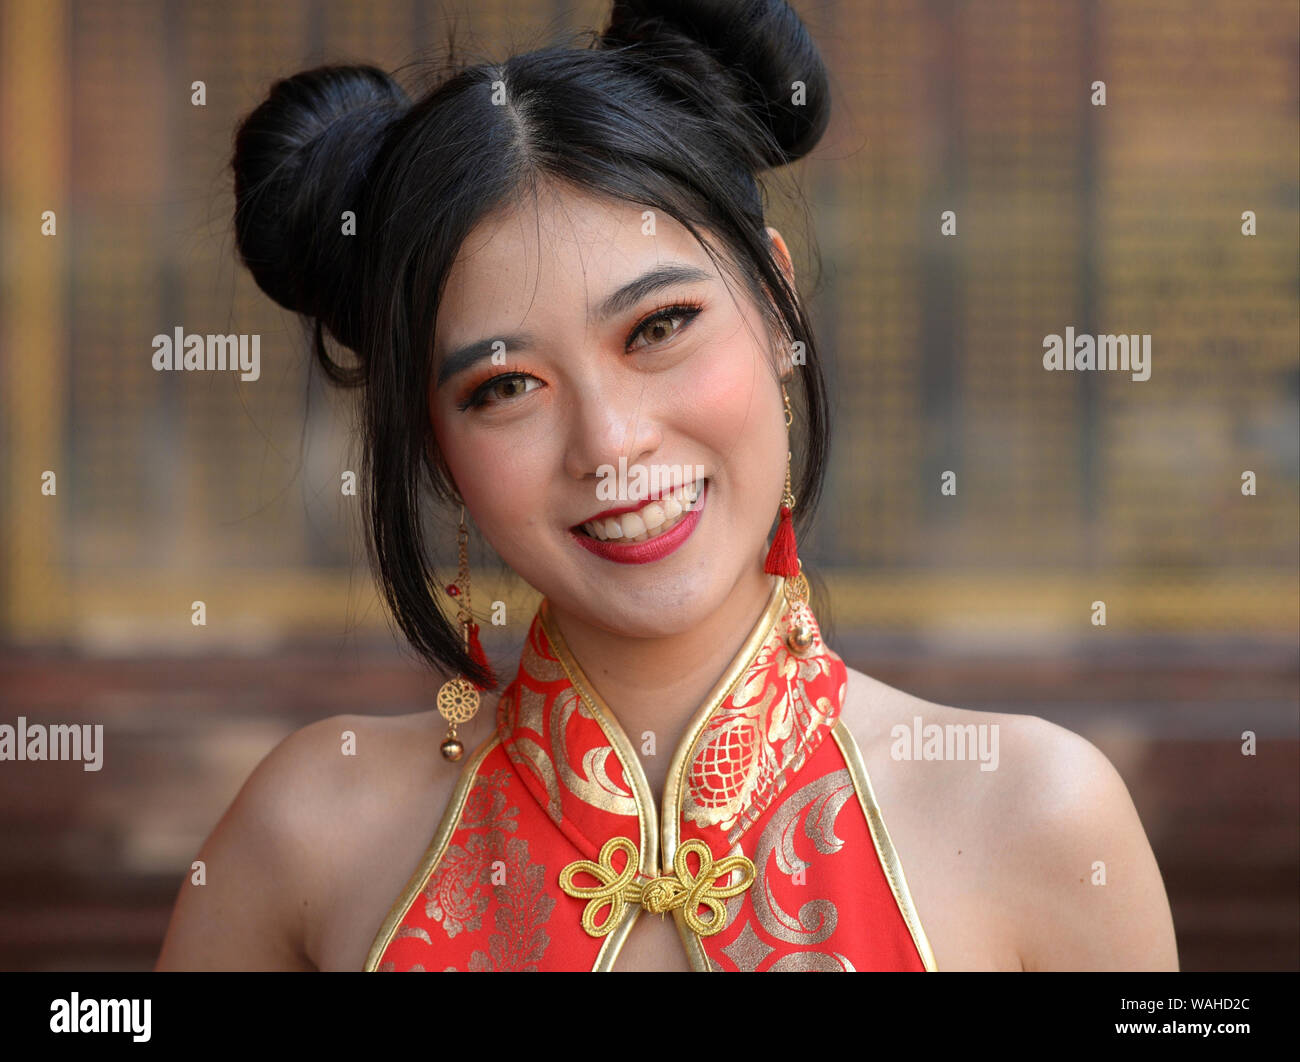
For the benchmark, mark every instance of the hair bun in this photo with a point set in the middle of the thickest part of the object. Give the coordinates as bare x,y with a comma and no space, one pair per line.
300,160
761,44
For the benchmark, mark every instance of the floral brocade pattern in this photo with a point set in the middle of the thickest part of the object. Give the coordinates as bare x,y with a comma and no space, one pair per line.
523,908
457,893
486,868
778,713
761,778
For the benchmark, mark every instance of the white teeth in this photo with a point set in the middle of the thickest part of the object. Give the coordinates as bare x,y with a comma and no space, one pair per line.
648,522
653,515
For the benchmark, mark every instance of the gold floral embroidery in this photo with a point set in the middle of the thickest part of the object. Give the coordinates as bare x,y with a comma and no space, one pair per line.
454,897
413,931
522,909
812,961
747,950
526,750
593,786
485,807
455,894
760,734
817,805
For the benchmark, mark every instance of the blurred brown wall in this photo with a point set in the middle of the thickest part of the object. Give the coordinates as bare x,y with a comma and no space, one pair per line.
1072,487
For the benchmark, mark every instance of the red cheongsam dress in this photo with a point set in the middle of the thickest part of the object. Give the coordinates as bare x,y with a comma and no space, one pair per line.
769,853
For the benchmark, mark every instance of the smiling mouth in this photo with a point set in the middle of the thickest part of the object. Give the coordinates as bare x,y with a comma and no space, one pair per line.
653,519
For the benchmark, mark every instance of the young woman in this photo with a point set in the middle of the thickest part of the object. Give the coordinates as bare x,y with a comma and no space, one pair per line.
573,328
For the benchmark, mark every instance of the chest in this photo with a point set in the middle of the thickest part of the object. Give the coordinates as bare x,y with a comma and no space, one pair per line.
940,853
809,882
653,946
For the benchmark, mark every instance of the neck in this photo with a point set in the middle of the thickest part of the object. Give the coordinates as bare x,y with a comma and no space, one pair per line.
658,684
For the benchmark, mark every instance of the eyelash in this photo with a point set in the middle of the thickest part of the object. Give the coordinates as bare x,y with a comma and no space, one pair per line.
687,309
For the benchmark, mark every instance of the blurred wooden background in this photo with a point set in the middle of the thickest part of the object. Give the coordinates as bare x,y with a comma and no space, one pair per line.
1072,487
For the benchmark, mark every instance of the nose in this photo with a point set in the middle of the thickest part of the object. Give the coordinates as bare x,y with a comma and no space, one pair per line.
610,420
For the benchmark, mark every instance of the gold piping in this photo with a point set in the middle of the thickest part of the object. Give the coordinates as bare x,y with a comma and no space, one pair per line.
432,855
888,855
647,818
673,792
674,787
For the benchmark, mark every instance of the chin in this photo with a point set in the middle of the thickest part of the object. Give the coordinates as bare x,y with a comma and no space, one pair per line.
650,607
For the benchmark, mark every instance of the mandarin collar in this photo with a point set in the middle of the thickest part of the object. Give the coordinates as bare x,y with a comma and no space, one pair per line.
768,712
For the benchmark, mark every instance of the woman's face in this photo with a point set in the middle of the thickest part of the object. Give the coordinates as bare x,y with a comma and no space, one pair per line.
586,372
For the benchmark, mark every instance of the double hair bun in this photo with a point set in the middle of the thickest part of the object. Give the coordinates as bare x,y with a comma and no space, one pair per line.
746,70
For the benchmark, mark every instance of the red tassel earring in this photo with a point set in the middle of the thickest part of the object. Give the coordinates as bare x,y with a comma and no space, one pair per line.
783,556
458,699
478,656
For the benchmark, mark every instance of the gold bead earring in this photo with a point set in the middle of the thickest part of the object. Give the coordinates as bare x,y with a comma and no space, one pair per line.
458,698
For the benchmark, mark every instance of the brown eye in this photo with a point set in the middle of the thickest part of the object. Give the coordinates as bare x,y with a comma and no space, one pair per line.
660,327
510,387
660,330
500,389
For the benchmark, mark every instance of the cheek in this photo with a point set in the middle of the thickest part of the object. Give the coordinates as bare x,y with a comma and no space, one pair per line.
499,479
728,405
490,472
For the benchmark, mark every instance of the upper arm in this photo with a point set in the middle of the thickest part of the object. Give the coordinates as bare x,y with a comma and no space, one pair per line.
1087,891
249,909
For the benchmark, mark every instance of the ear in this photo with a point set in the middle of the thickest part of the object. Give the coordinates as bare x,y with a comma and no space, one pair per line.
782,253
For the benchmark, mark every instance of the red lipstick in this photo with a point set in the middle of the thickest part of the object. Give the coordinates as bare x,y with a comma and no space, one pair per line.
652,549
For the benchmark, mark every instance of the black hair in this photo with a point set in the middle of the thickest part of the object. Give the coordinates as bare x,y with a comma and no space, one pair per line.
677,105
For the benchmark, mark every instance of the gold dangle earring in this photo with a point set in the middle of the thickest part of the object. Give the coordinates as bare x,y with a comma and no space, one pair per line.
783,557
458,699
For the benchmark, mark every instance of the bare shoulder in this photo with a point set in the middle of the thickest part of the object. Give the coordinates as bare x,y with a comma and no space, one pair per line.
1020,822
293,845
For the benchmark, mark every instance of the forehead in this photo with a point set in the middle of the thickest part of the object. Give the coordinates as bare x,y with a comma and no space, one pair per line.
551,252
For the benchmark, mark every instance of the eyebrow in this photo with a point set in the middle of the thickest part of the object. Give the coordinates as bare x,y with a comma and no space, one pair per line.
656,279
